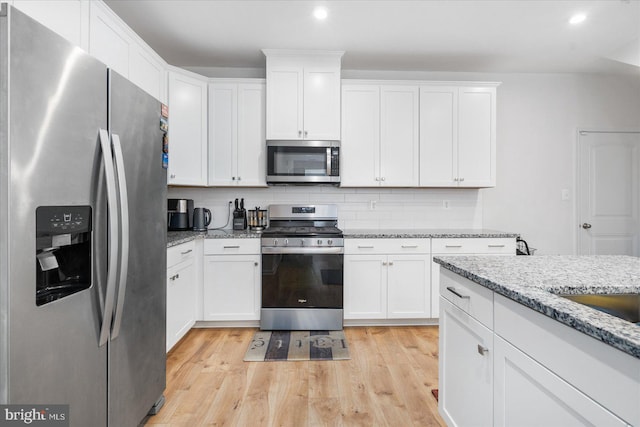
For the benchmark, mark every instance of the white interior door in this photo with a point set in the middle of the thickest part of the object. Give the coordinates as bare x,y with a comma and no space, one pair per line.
609,193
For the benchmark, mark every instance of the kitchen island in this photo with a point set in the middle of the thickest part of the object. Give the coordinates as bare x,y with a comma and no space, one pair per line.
514,352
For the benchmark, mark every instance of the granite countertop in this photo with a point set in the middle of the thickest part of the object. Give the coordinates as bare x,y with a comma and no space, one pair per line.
178,237
533,281
425,233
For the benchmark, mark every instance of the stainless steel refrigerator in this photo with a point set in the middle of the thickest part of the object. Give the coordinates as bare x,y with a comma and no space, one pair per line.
82,232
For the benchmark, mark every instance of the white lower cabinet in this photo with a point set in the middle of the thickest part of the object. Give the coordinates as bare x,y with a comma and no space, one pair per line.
465,368
464,247
387,279
232,277
504,364
528,394
365,287
182,291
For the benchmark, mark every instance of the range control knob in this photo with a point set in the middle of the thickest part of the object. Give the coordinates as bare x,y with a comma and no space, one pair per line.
275,242
286,242
329,242
319,242
301,242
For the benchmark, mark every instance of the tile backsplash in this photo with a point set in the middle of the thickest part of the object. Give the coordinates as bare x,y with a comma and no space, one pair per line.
369,208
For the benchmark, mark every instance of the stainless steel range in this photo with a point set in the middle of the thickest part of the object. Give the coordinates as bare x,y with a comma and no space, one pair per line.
302,269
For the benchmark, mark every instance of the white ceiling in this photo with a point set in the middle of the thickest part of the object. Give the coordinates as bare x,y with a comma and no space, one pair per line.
427,35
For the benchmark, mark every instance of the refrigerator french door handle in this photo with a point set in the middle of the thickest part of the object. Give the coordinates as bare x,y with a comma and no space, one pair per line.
124,235
114,226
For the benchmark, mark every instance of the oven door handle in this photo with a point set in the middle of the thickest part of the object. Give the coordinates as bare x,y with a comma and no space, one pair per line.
304,251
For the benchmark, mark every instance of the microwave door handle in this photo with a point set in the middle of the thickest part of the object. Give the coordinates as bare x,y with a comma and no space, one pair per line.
328,161
124,235
112,268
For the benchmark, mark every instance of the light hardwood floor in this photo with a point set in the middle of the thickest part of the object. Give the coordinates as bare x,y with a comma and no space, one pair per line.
387,382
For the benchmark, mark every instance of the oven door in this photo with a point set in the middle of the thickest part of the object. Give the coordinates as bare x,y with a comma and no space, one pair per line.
302,277
302,162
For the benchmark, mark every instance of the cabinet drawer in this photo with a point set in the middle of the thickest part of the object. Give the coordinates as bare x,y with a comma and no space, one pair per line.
474,246
386,246
474,299
231,246
179,253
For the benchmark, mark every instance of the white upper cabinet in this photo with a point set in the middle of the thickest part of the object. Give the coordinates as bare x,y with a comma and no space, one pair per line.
187,129
477,137
69,18
109,40
115,44
379,135
303,95
360,154
94,27
148,71
237,146
399,136
457,136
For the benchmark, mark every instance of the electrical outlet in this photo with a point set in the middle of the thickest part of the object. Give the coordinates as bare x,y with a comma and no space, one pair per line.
564,194
445,204
372,205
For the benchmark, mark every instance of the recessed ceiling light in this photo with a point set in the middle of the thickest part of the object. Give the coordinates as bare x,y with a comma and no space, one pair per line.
320,13
578,18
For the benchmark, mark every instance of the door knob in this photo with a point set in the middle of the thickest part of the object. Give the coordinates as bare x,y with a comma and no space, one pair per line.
586,225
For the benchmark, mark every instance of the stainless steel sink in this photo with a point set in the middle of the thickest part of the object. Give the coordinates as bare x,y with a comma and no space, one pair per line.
624,306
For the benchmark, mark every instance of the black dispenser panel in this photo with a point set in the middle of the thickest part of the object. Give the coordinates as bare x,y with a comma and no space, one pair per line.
63,251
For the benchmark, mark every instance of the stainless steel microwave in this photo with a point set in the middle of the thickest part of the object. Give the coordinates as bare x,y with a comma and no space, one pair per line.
303,162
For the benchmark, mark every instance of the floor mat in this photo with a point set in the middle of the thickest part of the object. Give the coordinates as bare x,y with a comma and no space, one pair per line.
297,345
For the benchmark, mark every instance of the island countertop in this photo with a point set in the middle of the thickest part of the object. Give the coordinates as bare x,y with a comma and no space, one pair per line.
534,282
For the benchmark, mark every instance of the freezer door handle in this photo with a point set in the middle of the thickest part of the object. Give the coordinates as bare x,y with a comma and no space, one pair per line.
114,226
124,234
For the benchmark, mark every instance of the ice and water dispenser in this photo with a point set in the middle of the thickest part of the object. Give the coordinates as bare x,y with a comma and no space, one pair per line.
63,251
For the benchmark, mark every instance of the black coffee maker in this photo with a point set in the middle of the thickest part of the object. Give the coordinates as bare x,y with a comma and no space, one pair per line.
179,214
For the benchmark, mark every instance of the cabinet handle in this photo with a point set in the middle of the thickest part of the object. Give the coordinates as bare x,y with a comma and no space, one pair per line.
173,175
383,178
384,263
233,178
496,246
452,246
255,263
461,179
239,178
299,133
365,247
186,252
390,262
231,247
305,133
174,277
409,246
377,178
456,179
482,350
456,293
